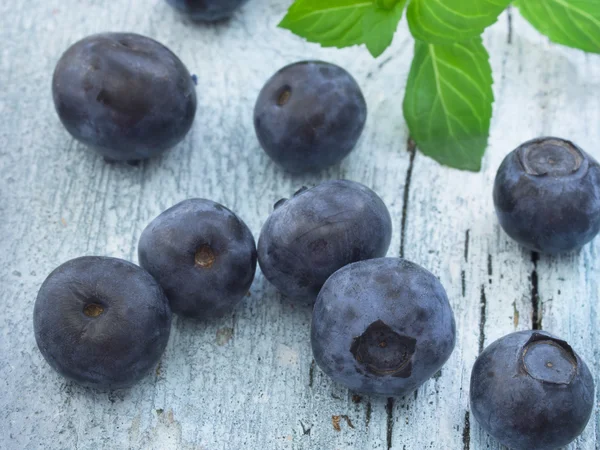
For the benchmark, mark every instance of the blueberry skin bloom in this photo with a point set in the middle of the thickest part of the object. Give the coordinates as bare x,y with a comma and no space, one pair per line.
547,195
126,96
207,10
203,256
382,326
310,236
309,116
531,391
102,322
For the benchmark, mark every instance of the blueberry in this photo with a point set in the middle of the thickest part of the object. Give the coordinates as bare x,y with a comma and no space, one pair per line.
207,10
309,116
124,95
202,255
547,195
102,322
319,230
382,326
530,390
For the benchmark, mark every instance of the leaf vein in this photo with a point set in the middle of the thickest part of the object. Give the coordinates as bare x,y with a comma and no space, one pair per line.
581,12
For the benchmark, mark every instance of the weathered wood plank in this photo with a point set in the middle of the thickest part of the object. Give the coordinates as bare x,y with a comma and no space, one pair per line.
568,289
249,381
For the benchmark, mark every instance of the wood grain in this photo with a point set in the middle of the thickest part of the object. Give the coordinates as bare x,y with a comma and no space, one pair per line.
249,380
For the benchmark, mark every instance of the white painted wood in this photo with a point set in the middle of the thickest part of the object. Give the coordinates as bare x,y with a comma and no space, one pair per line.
248,381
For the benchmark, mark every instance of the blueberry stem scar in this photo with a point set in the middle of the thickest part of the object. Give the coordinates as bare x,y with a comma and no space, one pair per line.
205,257
93,310
551,157
368,350
549,360
284,97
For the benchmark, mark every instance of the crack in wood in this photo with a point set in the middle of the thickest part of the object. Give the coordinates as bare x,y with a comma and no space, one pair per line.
463,281
380,66
536,315
467,237
507,51
305,431
368,414
482,319
386,61
348,421
412,149
311,374
383,63
389,409
509,39
467,432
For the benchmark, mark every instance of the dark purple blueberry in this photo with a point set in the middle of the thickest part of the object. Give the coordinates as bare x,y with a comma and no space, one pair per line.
310,236
309,116
382,326
207,10
531,391
102,322
547,195
126,96
203,256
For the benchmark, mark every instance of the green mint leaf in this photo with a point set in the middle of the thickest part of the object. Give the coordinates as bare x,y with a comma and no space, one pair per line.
388,4
343,23
448,102
331,23
575,23
443,21
379,27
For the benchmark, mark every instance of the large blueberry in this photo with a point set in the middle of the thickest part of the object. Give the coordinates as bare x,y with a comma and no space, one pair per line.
531,391
102,322
124,95
547,195
319,230
309,116
382,326
203,256
207,10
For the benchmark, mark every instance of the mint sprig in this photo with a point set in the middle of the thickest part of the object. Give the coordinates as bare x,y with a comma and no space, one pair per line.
449,98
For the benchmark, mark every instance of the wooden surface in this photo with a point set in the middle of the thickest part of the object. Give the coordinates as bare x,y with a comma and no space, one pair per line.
249,381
